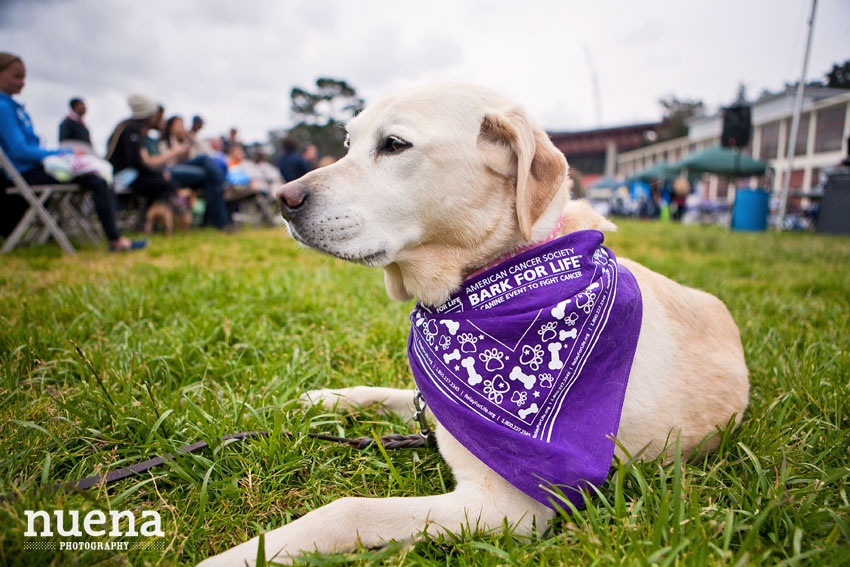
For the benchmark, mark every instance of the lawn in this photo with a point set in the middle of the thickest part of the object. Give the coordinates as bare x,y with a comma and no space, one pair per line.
205,334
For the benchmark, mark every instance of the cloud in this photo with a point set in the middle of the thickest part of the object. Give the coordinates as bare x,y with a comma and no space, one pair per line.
236,62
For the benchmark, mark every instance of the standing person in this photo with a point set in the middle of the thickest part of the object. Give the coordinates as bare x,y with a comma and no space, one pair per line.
129,157
72,128
25,152
291,164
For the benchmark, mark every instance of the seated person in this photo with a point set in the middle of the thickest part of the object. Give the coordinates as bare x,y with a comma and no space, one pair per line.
237,173
129,157
199,170
22,146
265,175
199,145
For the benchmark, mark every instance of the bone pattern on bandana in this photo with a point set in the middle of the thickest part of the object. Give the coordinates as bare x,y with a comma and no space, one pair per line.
527,364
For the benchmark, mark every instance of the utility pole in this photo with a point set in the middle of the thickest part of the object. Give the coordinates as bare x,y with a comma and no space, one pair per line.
594,81
795,123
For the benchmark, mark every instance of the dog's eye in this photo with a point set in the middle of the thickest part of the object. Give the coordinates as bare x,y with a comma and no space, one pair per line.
393,145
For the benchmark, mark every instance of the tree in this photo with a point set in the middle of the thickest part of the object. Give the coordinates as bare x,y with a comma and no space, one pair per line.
839,77
321,114
676,114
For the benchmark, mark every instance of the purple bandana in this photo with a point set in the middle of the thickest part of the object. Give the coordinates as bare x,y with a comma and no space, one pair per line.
527,364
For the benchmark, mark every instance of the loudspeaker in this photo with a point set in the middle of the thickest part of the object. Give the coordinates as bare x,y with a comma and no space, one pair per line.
737,126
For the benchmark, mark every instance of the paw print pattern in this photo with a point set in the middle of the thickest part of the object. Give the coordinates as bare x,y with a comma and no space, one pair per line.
496,388
519,398
445,342
467,342
545,380
430,330
571,319
585,301
600,257
532,356
547,331
492,359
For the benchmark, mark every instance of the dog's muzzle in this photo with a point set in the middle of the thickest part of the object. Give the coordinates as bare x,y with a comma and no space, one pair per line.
291,198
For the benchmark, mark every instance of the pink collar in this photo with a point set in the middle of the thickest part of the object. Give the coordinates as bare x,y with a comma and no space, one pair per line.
549,237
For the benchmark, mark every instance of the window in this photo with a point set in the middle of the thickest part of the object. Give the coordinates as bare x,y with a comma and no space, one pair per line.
796,179
815,179
769,140
830,127
801,145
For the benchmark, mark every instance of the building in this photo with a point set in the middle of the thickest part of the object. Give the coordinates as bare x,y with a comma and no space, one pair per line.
821,142
593,153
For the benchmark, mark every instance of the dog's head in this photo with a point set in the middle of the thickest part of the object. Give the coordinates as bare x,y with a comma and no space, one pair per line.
438,181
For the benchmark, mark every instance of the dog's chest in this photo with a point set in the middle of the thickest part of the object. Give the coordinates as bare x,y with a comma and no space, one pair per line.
511,359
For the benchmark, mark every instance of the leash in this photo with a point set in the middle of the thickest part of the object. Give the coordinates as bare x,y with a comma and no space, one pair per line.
392,441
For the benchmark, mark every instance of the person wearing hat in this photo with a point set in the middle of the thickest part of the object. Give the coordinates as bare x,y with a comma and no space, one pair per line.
23,147
134,166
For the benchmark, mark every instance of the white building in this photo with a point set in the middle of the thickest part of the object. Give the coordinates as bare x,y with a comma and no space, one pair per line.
821,143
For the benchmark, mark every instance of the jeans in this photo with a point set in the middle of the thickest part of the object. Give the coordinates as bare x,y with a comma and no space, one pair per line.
204,171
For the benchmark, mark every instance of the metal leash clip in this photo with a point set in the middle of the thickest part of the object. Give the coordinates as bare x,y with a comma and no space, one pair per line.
419,404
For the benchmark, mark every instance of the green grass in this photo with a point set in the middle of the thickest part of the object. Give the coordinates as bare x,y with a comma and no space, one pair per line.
206,334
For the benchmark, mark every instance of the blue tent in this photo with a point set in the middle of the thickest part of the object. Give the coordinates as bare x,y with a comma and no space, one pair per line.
608,183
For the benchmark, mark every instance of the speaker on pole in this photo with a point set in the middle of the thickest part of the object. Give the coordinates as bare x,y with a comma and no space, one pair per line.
737,126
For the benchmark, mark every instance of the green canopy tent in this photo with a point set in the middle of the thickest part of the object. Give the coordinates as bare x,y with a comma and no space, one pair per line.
659,171
752,207
722,161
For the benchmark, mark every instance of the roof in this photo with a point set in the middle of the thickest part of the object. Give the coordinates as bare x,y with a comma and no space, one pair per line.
595,141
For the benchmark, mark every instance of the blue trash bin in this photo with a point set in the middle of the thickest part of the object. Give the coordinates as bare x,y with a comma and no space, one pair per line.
751,209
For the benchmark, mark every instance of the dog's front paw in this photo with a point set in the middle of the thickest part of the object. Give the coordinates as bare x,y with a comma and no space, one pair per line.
327,398
245,556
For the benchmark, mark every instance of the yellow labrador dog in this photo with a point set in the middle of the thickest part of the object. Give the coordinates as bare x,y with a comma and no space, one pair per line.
438,182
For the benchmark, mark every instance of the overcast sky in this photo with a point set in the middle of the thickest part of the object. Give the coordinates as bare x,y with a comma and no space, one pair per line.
235,61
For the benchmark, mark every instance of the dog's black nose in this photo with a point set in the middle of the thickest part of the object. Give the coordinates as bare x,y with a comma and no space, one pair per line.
291,197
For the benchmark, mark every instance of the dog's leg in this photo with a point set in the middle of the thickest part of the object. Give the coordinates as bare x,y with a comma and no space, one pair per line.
169,222
392,400
482,501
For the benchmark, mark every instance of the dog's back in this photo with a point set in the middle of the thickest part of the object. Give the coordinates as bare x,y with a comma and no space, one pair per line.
691,347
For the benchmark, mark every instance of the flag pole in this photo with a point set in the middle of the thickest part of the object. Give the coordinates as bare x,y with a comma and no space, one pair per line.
795,124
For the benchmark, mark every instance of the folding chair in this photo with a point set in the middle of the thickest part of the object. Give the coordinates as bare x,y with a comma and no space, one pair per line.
38,224
254,206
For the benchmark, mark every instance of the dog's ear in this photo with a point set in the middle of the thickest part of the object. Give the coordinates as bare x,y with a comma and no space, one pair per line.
516,148
394,282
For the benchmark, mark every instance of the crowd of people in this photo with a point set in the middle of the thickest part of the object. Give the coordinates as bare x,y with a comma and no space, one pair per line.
149,154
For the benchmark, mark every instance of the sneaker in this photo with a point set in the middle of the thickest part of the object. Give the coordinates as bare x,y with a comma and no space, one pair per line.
133,245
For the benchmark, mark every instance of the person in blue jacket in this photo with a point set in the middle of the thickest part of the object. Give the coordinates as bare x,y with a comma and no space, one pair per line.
22,146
